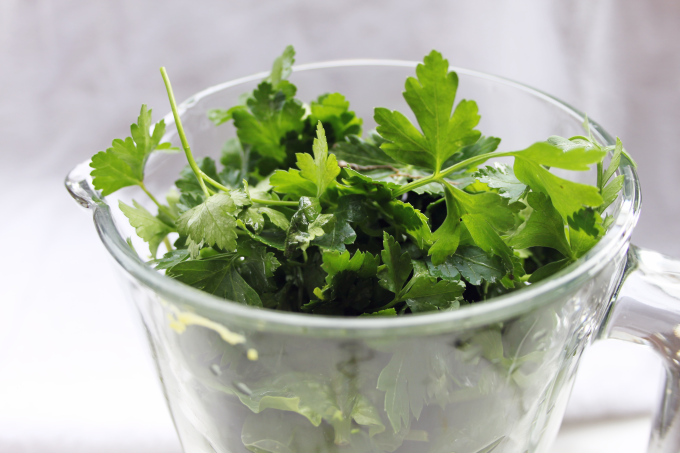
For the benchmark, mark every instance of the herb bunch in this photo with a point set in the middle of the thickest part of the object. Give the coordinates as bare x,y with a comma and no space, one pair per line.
305,215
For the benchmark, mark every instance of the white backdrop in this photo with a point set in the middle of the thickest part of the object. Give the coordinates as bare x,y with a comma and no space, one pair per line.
73,74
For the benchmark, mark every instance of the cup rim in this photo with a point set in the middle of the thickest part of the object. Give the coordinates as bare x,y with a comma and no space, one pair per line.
494,310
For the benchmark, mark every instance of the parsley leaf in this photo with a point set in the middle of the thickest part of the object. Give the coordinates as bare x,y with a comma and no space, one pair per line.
281,70
484,145
256,265
211,223
431,99
417,374
217,276
170,259
254,218
348,281
147,226
293,183
351,209
333,109
501,177
611,191
544,227
396,266
316,173
426,294
473,264
488,240
361,152
409,220
269,116
122,165
568,197
585,231
188,183
487,208
282,67
305,225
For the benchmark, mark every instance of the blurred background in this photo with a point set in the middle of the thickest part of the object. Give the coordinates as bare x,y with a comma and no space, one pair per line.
73,74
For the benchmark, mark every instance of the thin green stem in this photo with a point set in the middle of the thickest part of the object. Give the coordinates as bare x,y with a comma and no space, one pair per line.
442,174
600,175
180,131
213,182
395,301
275,202
160,206
168,246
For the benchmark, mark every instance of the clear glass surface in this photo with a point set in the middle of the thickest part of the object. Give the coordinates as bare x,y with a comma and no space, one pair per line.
494,376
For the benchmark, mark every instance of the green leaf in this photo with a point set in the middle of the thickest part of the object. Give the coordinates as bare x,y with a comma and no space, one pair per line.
426,294
292,182
576,158
581,228
304,394
447,237
567,197
483,145
333,109
588,221
170,259
267,120
396,266
431,97
212,222
548,270
350,210
272,237
122,165
374,189
315,175
315,399
417,374
386,312
254,218
322,169
365,413
349,282
221,116
256,265
502,177
282,67
305,225
146,225
216,276
446,270
188,183
363,264
488,240
411,220
236,164
544,227
269,432
611,192
488,207
614,163
357,151
475,265
394,381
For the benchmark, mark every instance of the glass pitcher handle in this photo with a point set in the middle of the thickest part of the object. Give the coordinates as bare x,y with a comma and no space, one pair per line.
647,311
